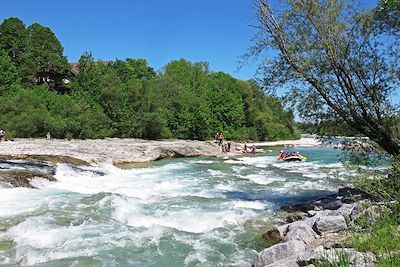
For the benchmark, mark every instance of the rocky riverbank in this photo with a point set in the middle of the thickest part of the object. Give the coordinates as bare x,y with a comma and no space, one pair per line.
315,232
118,151
115,151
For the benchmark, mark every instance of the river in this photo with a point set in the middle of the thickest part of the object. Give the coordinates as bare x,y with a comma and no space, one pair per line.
177,212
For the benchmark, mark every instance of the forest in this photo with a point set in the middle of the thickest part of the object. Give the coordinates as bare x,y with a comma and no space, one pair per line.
40,92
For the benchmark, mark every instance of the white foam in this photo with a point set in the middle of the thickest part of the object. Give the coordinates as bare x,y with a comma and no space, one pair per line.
262,179
142,205
192,220
18,201
256,205
204,161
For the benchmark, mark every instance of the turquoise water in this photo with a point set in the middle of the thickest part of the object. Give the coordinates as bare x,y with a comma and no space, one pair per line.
178,212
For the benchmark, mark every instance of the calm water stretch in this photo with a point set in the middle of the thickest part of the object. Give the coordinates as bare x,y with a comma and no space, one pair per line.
178,212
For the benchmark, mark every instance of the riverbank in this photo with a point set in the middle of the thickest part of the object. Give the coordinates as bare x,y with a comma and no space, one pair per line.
120,151
318,231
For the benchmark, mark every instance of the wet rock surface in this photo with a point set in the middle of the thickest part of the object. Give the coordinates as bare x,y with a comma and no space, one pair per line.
17,173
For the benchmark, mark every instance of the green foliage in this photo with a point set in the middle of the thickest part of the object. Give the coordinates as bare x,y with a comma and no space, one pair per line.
9,79
343,260
387,15
13,37
125,98
383,187
381,237
392,260
32,113
133,69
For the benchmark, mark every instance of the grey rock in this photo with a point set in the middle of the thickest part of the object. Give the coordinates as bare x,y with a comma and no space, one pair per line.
295,217
330,224
346,211
300,231
310,256
333,205
279,252
288,262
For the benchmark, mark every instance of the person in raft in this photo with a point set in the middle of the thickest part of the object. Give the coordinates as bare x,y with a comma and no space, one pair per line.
48,136
2,134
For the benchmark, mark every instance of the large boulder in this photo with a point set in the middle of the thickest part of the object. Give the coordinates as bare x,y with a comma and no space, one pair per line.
330,224
300,231
279,252
348,211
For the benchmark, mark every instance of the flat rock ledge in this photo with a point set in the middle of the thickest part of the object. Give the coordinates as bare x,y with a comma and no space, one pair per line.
314,236
109,150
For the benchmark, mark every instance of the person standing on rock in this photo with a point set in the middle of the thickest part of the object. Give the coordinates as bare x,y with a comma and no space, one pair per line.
2,134
221,139
48,136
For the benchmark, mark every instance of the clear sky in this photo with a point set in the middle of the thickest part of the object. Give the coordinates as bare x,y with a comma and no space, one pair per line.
216,31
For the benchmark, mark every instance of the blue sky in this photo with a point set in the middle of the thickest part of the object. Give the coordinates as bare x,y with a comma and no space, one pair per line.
216,31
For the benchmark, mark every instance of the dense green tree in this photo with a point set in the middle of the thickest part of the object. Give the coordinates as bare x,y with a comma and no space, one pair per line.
13,38
31,113
182,85
44,61
9,79
133,69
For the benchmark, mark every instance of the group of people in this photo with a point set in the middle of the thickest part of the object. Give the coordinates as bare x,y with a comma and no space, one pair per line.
2,134
246,149
225,146
284,154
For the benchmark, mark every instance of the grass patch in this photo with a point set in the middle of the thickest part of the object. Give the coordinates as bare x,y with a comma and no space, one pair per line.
381,237
389,261
341,259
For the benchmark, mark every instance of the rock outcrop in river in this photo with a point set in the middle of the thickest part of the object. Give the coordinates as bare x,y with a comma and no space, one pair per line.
116,151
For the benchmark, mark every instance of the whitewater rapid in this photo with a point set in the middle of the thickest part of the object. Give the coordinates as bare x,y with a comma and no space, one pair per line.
180,212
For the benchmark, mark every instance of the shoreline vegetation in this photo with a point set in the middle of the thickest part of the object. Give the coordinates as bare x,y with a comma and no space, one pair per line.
41,92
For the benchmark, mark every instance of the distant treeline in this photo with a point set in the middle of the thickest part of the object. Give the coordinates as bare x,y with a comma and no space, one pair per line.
39,92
